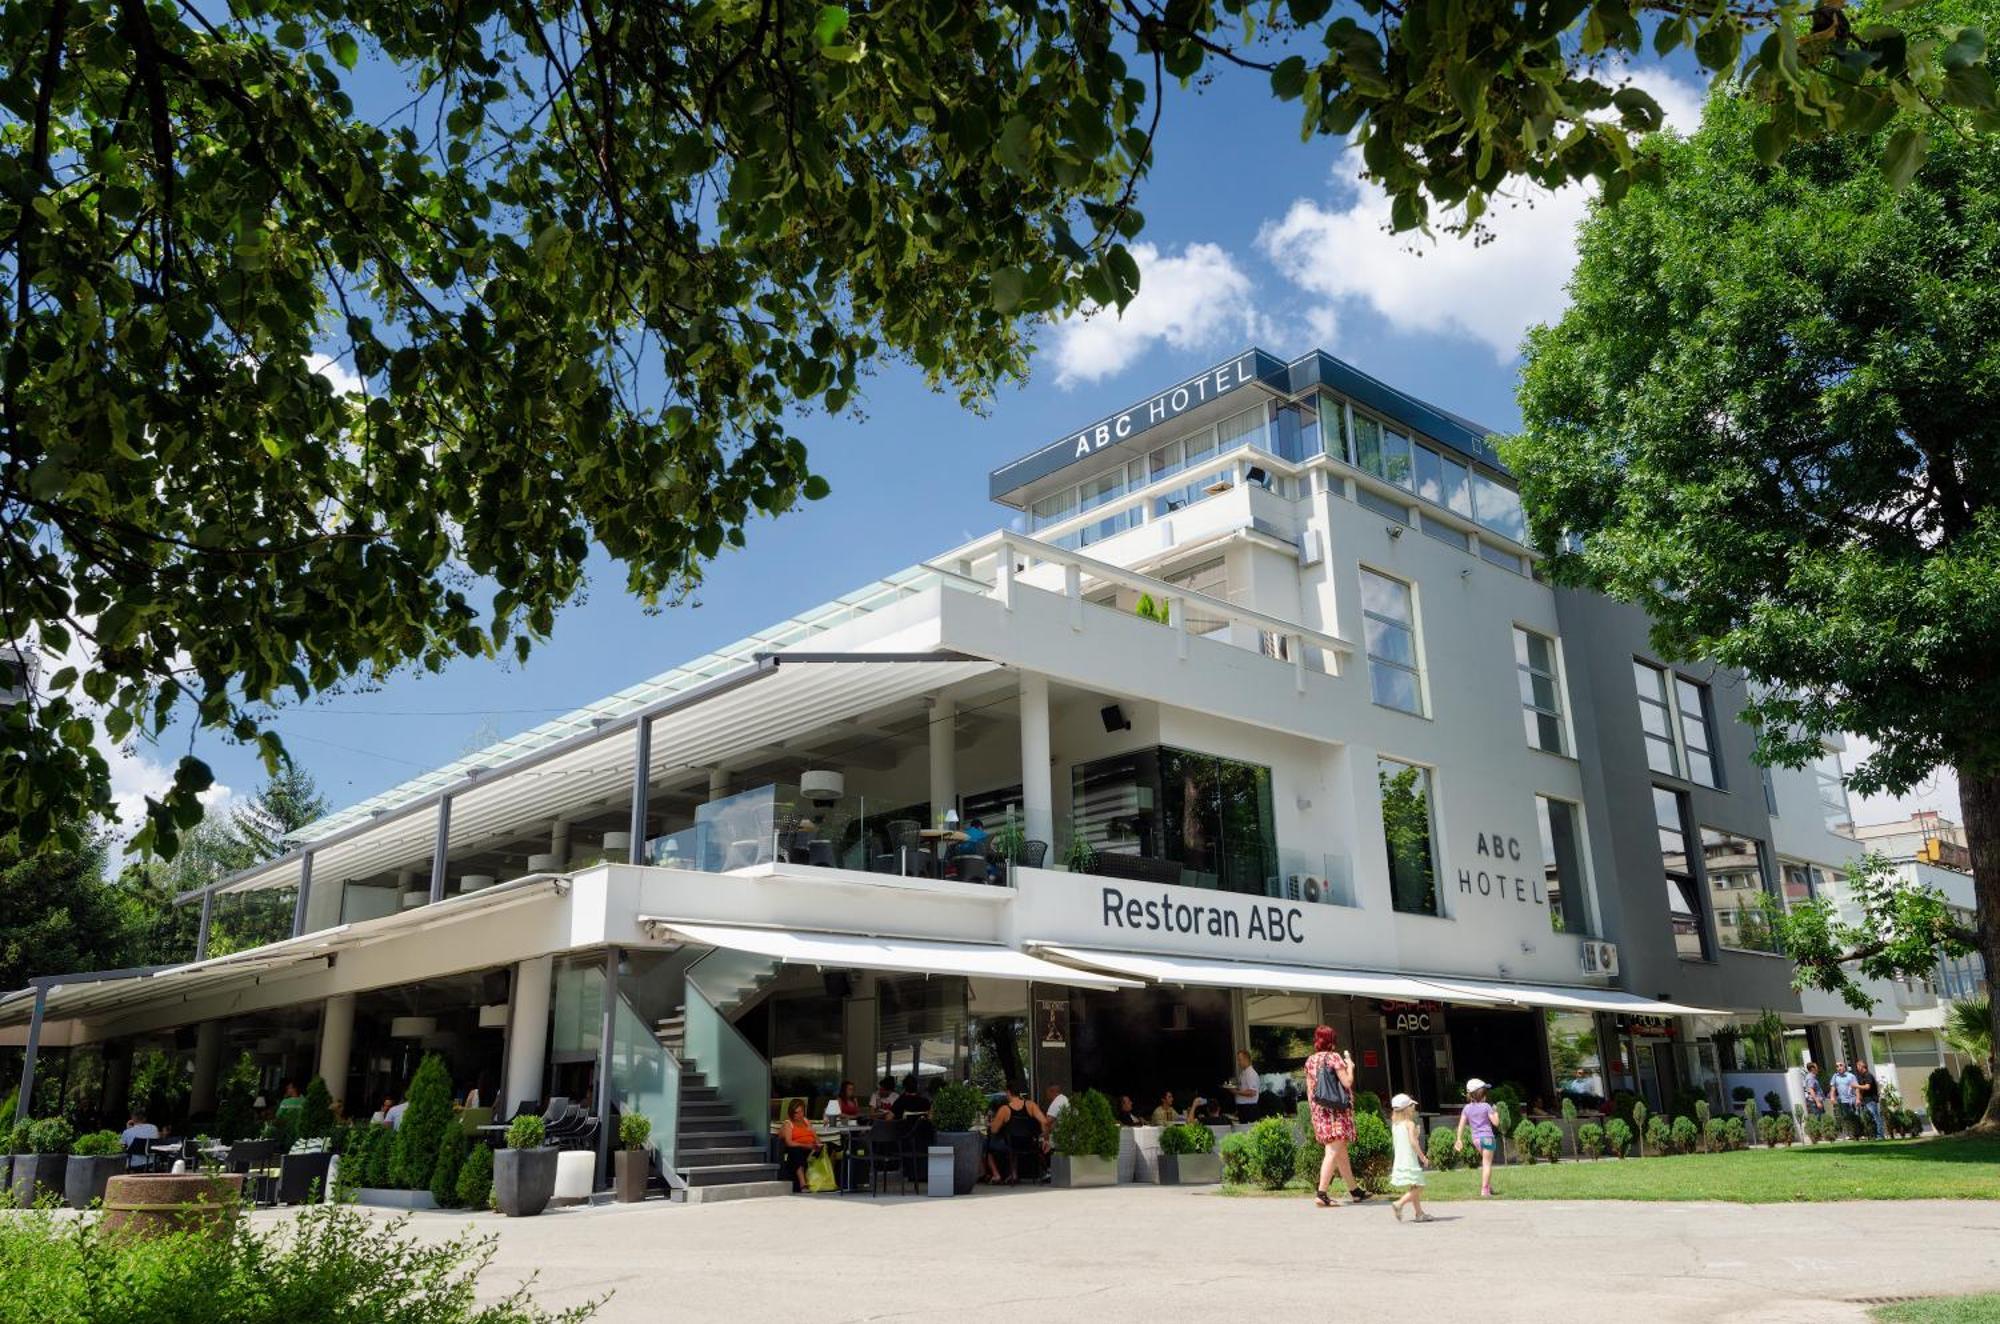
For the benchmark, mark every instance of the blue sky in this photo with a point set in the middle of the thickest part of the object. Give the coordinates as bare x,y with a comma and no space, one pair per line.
1252,237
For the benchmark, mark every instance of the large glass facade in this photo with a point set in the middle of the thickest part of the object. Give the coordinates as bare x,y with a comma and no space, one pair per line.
1410,833
920,1028
1738,895
1211,816
1683,900
1562,864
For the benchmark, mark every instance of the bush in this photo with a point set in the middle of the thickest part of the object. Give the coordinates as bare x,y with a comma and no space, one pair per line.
1941,1096
236,1102
1235,1152
1774,1131
1273,1156
1372,1151
1772,1103
1623,1104
475,1179
958,1107
20,1138
381,1149
634,1130
529,1132
1524,1141
1310,1150
1702,1116
1508,1095
316,1118
1548,1142
1590,1140
282,1130
1087,1127
1617,1138
1568,1109
1973,1092
1187,1138
51,1135
1741,1095
1640,1129
1687,1103
444,1170
1368,1101
426,1117
97,1144
325,1263
1684,1135
1444,1151
1659,1136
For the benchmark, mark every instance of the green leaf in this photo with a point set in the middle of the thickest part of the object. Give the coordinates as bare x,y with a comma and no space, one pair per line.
344,48
814,488
1289,78
1009,285
832,21
1904,153
1970,86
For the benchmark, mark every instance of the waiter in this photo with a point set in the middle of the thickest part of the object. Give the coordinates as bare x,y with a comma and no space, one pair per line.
1246,1089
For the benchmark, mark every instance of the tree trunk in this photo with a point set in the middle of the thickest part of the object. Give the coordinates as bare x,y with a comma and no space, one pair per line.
1979,802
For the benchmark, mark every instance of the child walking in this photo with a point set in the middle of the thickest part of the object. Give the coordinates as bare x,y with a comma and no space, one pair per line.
1479,1117
1411,1161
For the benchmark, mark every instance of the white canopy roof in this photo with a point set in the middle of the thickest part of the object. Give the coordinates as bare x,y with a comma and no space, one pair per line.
1567,997
913,955
1254,974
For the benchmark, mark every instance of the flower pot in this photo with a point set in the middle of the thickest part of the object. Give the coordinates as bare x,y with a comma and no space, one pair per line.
88,1176
38,1177
632,1168
154,1204
1083,1170
524,1180
1190,1169
302,1177
966,1147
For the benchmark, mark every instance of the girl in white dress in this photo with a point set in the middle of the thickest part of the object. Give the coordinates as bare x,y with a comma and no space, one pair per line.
1408,1172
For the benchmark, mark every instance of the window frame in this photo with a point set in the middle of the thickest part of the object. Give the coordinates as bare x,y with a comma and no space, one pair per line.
1663,702
1703,719
1691,885
1427,783
1764,889
1525,673
1415,667
1559,919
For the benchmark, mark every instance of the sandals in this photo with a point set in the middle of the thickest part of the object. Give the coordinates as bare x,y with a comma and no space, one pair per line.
1356,1194
1425,1218
1397,1210
1323,1200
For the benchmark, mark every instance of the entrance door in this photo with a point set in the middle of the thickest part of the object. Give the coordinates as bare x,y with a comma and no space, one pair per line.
1422,1068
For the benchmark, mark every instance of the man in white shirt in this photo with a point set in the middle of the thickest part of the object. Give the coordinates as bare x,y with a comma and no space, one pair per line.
395,1116
1247,1089
1053,1102
137,1128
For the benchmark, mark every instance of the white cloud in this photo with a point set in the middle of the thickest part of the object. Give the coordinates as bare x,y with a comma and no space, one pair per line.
1939,791
1490,292
1190,302
344,381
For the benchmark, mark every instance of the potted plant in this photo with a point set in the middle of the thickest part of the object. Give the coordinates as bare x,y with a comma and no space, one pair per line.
1188,1157
634,1164
43,1168
1085,1141
1079,856
524,1173
956,1113
95,1159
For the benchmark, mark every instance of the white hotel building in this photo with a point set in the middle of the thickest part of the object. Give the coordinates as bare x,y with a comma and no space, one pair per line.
1267,648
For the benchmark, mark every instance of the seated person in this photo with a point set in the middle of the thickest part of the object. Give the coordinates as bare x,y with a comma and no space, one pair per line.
381,1117
801,1142
1016,1123
1127,1114
1165,1114
883,1101
912,1100
975,840
137,1128
843,1106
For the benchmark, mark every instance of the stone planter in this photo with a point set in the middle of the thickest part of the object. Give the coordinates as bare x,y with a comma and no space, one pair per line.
524,1180
154,1204
1190,1169
302,1178
966,1147
88,1176
37,1177
1083,1170
633,1167
383,1197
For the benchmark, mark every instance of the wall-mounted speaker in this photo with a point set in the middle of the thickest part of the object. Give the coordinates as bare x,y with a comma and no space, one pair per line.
838,983
493,986
1115,718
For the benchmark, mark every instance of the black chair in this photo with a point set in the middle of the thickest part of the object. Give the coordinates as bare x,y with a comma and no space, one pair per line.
1031,854
558,1105
885,1156
1024,1148
142,1150
971,868
819,853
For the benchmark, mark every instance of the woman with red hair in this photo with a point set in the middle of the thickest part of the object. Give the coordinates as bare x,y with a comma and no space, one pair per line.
1330,1086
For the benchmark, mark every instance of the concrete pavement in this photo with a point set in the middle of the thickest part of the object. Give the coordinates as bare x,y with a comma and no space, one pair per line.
1145,1253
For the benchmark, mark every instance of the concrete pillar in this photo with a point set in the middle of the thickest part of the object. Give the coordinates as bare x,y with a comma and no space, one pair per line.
1037,793
944,757
336,1044
718,783
642,762
26,1101
207,1064
559,842
304,901
528,1031
441,854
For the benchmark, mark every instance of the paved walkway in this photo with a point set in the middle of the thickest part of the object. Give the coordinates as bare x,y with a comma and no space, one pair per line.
1144,1253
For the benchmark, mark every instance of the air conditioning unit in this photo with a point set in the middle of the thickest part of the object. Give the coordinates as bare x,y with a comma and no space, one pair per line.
1307,887
1309,548
1600,958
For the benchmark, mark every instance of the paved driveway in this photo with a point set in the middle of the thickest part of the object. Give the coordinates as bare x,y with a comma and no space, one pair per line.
1152,1254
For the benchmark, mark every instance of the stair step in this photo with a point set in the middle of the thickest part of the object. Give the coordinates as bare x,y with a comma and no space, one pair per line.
699,1094
724,1122
692,1141
730,1156
706,1107
743,1190
724,1174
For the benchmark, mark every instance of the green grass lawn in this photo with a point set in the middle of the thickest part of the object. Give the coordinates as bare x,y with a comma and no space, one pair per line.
1942,1310
1956,1168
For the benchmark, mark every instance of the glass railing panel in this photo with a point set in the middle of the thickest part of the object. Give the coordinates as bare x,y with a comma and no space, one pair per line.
645,1079
718,1050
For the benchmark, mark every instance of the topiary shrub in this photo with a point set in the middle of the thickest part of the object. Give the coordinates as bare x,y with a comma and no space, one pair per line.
1509,1096
1623,1104
1524,1141
1684,1136
529,1132
97,1144
375,1165
958,1107
1372,1151
475,1179
1774,1131
1617,1137
1974,1090
1659,1136
1444,1151
1568,1109
1236,1158
1772,1103
51,1135
1303,1139
444,1171
1089,1127
1368,1101
1548,1142
1590,1140
634,1130
426,1117
1186,1138
1640,1129
1272,1157
1941,1096
19,1138
1741,1095
316,1118
1702,1130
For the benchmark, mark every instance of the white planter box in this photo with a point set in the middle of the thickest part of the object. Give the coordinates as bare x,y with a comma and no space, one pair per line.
1083,1170
385,1198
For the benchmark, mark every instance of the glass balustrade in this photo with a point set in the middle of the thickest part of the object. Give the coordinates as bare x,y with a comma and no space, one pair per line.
645,1078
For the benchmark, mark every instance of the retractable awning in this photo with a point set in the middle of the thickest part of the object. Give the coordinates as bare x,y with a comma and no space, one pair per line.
922,956
1566,997
1278,977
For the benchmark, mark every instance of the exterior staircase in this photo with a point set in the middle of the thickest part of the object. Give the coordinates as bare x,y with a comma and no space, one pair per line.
714,1155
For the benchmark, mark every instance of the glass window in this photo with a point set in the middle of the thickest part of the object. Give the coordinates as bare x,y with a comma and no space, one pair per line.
1295,431
1445,533
1683,901
1388,619
1443,481
1199,447
920,1031
1396,458
1105,487
1657,719
1333,427
1052,509
1367,444
1498,508
1832,792
1211,816
1244,429
1210,578
1406,827
1164,462
1381,505
1697,731
1495,556
1795,883
1737,895
1562,864
1541,698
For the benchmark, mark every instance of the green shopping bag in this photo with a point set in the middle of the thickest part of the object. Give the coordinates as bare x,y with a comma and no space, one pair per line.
819,1172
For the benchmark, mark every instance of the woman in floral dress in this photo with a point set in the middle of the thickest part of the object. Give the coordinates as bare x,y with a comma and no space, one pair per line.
1332,1127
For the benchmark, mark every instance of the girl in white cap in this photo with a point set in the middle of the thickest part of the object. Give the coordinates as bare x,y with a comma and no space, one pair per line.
1479,1117
1408,1173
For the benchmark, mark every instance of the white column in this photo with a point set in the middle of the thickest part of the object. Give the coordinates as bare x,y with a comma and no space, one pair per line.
1037,796
528,1030
207,1062
944,757
336,1043
718,783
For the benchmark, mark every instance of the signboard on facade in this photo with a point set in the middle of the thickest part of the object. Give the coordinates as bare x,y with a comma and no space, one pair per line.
1413,1017
1052,1022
